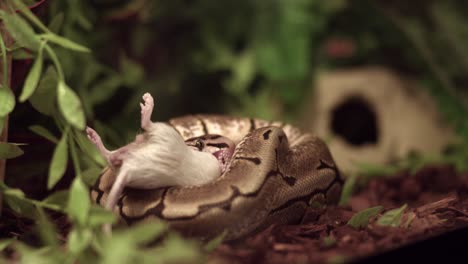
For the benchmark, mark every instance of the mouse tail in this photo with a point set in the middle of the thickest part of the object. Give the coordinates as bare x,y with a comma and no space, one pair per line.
116,190
113,197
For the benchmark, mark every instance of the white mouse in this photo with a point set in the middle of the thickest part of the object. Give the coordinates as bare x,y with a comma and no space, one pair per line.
159,157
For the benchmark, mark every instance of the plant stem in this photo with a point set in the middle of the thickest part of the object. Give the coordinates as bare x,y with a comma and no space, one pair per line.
56,62
29,15
4,63
5,78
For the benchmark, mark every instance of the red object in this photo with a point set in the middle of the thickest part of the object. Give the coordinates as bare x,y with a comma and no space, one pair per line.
339,48
36,4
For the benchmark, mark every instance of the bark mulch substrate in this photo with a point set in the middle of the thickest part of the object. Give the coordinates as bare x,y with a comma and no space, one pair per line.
437,199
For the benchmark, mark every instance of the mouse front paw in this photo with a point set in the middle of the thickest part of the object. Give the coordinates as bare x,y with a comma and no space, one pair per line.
93,136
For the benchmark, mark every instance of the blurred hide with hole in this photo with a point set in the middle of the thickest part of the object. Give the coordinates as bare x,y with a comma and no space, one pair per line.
372,115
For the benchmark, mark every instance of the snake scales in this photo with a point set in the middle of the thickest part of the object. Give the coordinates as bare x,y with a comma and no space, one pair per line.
275,173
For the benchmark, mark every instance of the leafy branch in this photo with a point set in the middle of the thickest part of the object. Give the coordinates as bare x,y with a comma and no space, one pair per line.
48,92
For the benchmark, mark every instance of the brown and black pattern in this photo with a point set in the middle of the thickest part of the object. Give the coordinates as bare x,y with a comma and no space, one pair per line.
274,174
306,198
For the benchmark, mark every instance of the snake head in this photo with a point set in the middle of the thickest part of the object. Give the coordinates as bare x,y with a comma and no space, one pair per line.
221,147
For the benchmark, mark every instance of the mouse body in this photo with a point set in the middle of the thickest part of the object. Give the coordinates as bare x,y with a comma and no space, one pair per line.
160,157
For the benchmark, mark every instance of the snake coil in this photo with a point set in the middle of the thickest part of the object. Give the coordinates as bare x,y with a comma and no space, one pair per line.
276,172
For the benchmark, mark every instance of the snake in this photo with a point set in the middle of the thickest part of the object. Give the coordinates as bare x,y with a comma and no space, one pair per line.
276,172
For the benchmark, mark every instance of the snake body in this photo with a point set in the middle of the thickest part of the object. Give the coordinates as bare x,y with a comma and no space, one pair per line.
276,172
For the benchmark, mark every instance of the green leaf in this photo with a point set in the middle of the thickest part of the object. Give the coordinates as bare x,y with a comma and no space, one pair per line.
14,193
118,250
43,132
348,189
178,250
329,241
215,242
2,123
392,217
133,73
64,42
90,149
79,203
43,255
32,79
374,170
58,198
5,243
283,39
84,22
21,54
46,229
79,239
74,156
20,30
3,186
243,72
19,204
361,219
56,23
338,259
104,90
99,216
28,14
59,161
91,175
146,232
70,105
9,150
43,99
7,101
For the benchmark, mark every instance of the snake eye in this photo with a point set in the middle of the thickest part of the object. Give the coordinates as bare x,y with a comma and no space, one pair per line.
199,144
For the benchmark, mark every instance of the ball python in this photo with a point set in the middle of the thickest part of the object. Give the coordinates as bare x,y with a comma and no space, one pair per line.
275,173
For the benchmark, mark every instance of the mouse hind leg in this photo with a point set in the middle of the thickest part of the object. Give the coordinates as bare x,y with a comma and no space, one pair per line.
146,110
